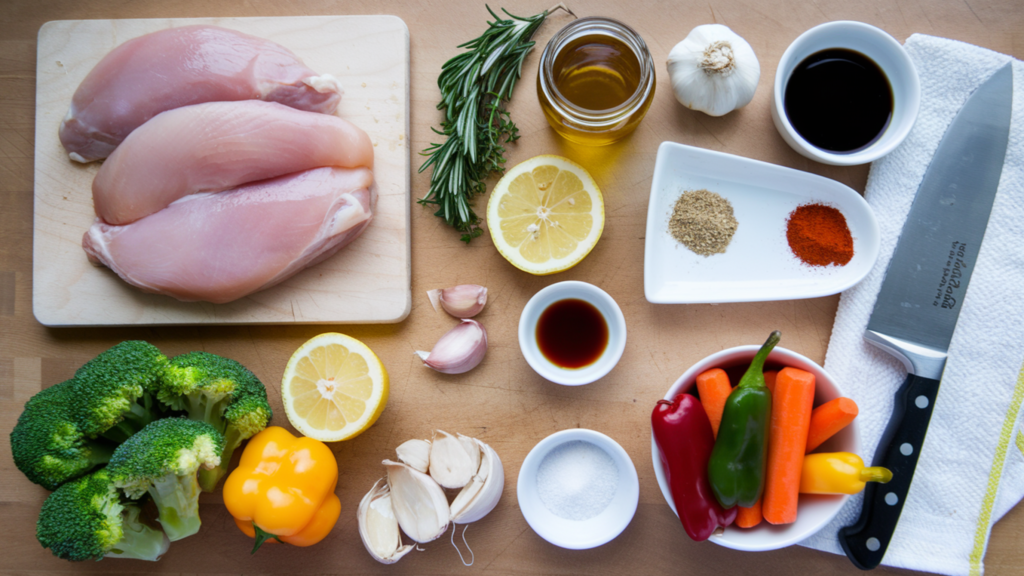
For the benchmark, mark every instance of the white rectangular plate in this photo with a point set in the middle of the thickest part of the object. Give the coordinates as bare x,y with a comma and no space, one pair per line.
758,264
368,281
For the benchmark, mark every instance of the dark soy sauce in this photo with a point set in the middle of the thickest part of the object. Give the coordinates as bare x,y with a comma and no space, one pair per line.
839,100
572,333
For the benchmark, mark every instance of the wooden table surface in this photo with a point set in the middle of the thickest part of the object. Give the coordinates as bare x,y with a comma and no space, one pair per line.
502,402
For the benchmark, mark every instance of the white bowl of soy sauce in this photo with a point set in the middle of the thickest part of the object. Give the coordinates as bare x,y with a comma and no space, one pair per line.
845,93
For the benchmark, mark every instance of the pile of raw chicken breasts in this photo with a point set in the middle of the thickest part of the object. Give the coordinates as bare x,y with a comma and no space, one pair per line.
226,171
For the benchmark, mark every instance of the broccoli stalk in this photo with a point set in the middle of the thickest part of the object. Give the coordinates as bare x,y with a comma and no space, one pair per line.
162,459
177,500
140,541
85,519
222,393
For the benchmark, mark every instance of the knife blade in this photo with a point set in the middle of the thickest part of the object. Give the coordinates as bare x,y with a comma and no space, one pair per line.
923,290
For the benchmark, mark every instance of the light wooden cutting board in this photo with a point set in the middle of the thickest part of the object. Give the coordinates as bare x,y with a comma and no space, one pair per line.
366,282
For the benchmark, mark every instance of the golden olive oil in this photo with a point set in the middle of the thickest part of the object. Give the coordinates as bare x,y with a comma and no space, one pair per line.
596,81
596,72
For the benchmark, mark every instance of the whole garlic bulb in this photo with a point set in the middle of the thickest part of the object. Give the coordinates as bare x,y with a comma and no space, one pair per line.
713,70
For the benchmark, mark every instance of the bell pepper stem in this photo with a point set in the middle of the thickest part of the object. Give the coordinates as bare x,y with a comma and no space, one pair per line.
755,373
875,474
261,537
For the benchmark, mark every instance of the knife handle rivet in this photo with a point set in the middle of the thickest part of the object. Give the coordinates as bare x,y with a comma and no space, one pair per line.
873,544
892,499
921,402
906,449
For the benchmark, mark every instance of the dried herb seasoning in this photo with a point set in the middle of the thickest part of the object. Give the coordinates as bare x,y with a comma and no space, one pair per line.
703,222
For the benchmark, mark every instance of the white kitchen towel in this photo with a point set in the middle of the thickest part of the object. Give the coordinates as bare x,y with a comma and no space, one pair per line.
971,467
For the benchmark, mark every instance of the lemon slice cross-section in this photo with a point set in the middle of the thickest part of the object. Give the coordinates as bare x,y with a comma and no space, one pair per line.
545,215
334,387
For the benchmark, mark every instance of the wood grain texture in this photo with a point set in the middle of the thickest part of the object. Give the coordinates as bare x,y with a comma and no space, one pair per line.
366,282
502,401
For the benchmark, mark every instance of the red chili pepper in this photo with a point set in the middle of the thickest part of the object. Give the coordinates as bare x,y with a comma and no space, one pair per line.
683,433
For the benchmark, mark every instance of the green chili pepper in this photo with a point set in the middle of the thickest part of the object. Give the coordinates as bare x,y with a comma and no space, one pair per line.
737,466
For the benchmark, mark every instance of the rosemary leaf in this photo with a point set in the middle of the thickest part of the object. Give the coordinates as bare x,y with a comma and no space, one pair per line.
475,85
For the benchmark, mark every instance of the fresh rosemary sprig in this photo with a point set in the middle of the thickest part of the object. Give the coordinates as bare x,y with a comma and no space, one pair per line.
474,88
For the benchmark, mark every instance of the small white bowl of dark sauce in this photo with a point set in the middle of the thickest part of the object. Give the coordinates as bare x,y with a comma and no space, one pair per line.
572,333
845,93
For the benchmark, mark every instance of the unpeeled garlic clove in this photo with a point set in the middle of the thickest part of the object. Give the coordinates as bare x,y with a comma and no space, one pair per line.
458,351
378,526
415,453
484,489
418,502
462,301
453,461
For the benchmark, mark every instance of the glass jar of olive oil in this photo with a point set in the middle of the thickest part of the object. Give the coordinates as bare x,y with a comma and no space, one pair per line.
596,81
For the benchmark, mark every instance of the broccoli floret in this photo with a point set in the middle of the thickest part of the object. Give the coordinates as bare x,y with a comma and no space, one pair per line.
162,459
118,390
221,392
86,519
68,429
47,443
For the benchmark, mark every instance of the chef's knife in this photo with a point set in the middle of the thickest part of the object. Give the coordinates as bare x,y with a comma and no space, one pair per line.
921,296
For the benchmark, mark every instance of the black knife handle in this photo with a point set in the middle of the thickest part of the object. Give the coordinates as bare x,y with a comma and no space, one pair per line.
866,540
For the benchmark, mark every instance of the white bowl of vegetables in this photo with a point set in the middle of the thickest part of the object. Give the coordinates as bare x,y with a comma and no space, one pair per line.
814,511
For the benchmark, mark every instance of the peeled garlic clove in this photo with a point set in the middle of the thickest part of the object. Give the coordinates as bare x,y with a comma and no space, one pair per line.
415,453
458,351
484,490
418,502
451,464
378,526
462,301
471,448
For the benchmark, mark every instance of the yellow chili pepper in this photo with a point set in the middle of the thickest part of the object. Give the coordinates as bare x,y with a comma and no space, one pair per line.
838,473
283,489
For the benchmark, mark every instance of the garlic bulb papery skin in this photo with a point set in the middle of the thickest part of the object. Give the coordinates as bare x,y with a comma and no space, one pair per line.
419,503
378,527
713,70
453,461
458,351
415,453
484,490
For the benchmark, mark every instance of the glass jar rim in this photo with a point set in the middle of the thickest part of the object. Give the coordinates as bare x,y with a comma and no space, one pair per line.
616,29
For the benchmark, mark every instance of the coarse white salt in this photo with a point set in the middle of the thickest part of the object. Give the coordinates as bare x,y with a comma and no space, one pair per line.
577,480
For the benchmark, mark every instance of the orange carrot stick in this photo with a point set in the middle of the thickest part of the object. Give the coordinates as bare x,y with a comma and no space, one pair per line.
829,418
787,443
714,389
749,517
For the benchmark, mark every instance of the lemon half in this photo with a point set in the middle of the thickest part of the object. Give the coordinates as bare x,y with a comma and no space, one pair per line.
334,387
545,215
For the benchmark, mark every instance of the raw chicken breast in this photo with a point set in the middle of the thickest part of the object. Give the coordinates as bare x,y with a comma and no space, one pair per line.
178,67
221,247
217,146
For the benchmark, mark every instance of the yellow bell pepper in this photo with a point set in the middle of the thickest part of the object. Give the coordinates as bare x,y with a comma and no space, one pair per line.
283,489
838,473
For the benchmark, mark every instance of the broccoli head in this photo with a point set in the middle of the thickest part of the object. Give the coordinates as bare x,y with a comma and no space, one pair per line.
163,459
118,390
68,429
221,392
47,443
86,519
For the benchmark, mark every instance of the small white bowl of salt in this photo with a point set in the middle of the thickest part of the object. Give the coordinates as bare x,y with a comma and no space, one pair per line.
578,489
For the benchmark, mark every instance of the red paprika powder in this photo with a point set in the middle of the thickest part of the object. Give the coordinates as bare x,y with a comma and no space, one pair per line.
819,236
